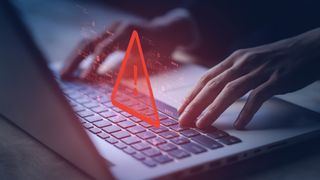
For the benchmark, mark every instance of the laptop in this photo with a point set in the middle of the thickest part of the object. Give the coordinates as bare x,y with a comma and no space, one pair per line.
77,120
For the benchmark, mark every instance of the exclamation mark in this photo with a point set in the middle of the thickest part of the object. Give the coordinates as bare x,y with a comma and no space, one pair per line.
135,76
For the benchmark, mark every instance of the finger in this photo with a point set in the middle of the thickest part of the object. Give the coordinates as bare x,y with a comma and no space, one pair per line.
206,96
230,93
113,43
83,50
255,100
110,31
227,63
203,81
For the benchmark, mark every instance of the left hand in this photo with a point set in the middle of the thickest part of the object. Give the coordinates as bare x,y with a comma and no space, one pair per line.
166,32
267,70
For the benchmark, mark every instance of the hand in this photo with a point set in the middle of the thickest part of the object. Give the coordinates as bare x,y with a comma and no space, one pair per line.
162,34
267,70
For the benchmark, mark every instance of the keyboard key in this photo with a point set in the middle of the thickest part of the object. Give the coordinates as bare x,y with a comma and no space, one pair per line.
228,140
78,108
122,98
141,146
208,142
140,107
125,114
167,147
88,92
120,145
168,134
93,96
83,100
95,130
162,116
151,152
146,135
145,110
102,123
131,140
218,134
189,133
177,128
179,154
156,141
73,94
126,124
208,129
111,140
103,135
85,113
73,104
139,156
131,103
82,120
180,140
91,104
108,114
148,112
116,109
162,159
129,150
103,99
149,162
120,134
158,130
116,119
108,104
136,129
168,122
193,148
88,125
145,124
99,109
111,129
93,118
135,119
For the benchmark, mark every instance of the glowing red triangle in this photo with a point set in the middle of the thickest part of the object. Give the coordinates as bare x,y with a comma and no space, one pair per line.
122,96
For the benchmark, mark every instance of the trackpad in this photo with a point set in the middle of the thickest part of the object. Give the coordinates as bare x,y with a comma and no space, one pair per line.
274,114
172,87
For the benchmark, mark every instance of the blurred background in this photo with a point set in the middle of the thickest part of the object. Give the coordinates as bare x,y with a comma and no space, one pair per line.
58,26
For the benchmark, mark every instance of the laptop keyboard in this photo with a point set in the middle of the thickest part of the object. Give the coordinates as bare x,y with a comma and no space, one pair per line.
149,145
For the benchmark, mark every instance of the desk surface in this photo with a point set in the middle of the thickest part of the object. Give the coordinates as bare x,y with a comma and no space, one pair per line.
22,157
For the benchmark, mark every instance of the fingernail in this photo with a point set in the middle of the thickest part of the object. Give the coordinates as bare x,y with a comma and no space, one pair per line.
183,125
181,117
239,124
180,108
198,124
186,124
201,124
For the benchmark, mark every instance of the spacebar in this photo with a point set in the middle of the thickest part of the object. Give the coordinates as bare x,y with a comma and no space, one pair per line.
208,142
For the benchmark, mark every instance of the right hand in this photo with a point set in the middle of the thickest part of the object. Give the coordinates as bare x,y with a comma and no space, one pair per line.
162,34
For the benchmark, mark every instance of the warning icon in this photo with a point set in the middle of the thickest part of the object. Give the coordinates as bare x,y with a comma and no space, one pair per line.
132,91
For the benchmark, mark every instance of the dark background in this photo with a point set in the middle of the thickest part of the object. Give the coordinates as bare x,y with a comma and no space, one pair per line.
59,25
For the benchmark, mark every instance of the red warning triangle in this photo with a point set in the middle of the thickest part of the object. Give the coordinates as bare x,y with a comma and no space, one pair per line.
132,91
